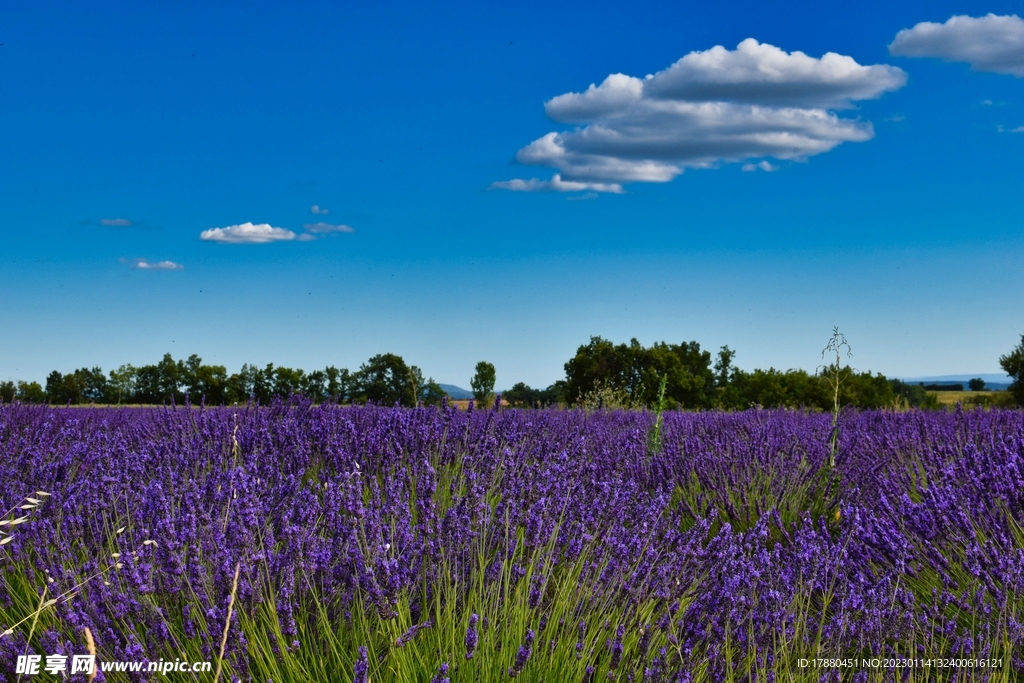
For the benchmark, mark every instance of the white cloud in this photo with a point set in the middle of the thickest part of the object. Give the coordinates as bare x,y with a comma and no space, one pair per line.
318,210
1018,129
143,264
990,43
709,108
327,228
758,73
582,197
986,102
763,165
115,222
247,233
556,184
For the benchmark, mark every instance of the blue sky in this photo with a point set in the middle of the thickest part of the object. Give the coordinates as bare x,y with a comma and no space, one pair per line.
882,192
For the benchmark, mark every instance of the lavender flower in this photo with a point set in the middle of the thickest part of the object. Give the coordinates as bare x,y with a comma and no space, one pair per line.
442,675
471,636
523,655
362,668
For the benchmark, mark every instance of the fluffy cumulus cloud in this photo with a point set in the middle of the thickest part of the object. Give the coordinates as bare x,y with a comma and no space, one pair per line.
247,233
990,43
321,228
115,222
709,108
144,264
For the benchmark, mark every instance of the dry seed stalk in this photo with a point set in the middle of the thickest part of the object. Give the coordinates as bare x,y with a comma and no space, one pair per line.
227,623
90,647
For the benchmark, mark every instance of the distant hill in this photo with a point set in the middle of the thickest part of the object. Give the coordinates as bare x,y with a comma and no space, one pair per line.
455,392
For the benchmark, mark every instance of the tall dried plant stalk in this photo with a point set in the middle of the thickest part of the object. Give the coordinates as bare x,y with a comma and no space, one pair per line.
227,623
90,647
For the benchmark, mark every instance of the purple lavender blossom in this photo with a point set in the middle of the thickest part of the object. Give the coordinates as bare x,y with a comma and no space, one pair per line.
471,636
442,675
523,655
362,668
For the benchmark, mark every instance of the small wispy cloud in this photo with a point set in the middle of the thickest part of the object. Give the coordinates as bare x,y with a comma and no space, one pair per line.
556,184
987,103
322,228
115,222
897,118
319,210
1002,129
763,165
247,233
582,197
145,264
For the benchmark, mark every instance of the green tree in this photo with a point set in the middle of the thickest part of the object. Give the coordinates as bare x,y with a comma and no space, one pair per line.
1013,364
239,386
340,386
121,384
914,394
602,366
209,385
976,384
169,376
386,380
482,383
31,392
7,392
314,386
61,389
554,395
521,396
431,393
94,383
287,381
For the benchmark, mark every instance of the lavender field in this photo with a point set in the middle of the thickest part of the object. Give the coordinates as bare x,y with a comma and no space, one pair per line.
431,544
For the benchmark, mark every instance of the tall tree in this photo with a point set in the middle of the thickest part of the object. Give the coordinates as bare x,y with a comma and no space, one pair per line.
121,385
1013,364
482,383
385,379
638,372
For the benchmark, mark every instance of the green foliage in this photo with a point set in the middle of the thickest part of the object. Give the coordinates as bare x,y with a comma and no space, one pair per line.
31,392
1013,364
637,371
914,395
431,393
81,386
522,396
482,383
654,439
605,396
976,384
386,380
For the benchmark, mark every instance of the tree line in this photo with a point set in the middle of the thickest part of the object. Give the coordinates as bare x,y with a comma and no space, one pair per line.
683,376
600,374
385,379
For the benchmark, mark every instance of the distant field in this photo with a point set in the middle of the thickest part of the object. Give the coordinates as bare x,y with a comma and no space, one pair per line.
951,398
